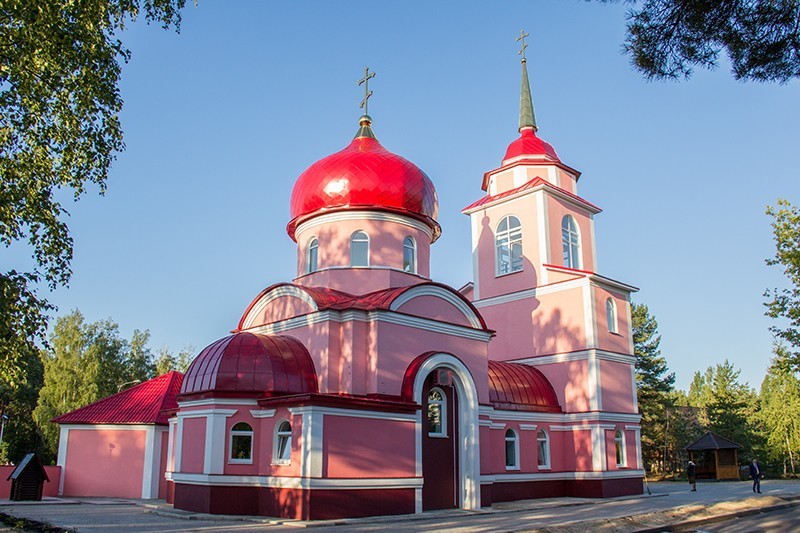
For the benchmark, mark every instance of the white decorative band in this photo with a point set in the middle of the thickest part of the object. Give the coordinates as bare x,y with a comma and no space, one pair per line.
532,293
216,401
353,413
548,476
296,482
378,216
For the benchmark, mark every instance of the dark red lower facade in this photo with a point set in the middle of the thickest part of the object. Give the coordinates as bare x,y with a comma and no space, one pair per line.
299,504
580,488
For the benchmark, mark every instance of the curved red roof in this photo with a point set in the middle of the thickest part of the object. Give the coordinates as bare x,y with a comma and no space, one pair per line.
141,404
251,365
364,176
529,144
518,387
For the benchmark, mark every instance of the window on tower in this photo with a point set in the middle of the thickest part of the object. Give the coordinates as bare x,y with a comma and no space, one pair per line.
508,246
571,241
619,444
313,249
611,315
359,249
409,255
543,449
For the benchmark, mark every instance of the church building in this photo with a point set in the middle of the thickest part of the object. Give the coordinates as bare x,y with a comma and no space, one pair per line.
364,387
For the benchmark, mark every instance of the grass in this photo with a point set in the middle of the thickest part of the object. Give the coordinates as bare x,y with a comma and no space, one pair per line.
23,524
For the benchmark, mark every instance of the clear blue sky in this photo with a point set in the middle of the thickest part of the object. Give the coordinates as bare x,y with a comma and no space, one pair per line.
220,120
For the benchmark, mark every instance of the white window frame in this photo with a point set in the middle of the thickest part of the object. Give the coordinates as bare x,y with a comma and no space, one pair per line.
312,253
514,438
619,449
504,244
442,404
410,244
353,236
240,433
611,315
279,435
571,242
543,436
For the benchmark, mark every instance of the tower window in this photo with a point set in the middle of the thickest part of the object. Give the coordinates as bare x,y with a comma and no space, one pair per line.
409,255
283,444
508,246
241,443
543,449
619,444
437,413
571,240
313,249
359,249
611,315
512,450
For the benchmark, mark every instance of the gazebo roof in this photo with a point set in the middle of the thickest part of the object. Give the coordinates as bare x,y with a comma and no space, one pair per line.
712,441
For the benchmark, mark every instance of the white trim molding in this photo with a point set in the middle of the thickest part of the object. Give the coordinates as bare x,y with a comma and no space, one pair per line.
278,292
297,482
375,216
549,476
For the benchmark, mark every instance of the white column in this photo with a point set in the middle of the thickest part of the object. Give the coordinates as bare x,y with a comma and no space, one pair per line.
176,466
63,440
214,458
311,441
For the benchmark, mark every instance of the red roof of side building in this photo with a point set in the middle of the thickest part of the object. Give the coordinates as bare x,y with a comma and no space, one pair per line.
141,404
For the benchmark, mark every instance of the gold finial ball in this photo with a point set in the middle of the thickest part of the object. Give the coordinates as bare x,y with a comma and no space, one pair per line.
365,120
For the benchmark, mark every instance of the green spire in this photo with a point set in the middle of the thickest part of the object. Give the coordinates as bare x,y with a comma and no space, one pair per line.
527,118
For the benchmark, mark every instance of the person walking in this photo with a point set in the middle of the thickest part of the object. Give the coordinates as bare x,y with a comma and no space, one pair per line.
755,473
691,473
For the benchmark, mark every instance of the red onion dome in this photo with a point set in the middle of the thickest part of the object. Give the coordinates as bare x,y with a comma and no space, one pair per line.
530,145
364,176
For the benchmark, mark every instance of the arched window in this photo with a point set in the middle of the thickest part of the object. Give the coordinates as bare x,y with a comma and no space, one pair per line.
611,315
283,444
619,444
313,249
508,246
543,448
241,443
437,413
359,249
571,240
512,450
409,255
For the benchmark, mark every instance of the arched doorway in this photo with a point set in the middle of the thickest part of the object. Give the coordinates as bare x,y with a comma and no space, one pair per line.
440,442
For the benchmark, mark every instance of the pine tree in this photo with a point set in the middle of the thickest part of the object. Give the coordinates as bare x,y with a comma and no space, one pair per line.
780,412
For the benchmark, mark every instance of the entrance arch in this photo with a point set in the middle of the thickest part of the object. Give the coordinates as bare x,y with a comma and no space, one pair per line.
464,424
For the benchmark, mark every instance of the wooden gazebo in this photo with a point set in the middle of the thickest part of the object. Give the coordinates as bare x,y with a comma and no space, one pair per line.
27,479
715,457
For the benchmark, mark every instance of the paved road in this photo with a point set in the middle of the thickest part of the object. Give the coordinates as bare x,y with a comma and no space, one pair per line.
783,521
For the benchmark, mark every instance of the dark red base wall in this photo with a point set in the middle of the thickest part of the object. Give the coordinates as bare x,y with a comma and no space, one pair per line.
582,488
293,503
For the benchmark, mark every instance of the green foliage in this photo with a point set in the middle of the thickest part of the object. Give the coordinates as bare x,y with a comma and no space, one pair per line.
780,411
21,434
785,304
666,39
86,362
60,64
166,362
654,386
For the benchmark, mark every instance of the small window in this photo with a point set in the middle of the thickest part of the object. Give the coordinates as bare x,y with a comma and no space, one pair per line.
409,255
283,443
543,448
313,250
241,443
508,246
611,315
571,241
437,413
512,450
619,443
359,249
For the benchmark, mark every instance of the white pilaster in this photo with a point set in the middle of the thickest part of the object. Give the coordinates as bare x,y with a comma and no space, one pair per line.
214,458
63,440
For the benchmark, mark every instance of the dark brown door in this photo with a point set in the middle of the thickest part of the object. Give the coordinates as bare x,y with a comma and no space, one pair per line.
439,446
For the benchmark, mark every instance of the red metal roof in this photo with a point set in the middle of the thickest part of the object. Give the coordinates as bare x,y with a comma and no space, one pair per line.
141,404
529,144
364,176
535,182
326,298
518,387
247,364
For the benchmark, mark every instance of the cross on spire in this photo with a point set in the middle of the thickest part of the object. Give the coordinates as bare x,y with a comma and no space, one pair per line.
367,93
521,37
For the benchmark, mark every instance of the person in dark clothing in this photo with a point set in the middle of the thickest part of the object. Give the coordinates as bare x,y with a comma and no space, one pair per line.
756,474
690,472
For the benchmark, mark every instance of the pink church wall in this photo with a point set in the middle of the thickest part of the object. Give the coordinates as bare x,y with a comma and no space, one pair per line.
104,462
615,379
614,342
570,381
360,280
386,244
434,308
50,488
243,415
566,181
193,445
556,210
267,434
360,447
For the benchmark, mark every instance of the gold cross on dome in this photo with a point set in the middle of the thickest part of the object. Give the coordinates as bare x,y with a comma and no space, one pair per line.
367,93
521,37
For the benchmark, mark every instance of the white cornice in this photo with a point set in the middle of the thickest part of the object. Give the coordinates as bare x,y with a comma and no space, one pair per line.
112,427
582,355
379,216
295,482
353,413
548,476
207,412
592,417
215,401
